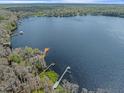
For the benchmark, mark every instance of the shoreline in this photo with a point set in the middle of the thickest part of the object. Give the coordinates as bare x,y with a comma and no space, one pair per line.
75,86
18,68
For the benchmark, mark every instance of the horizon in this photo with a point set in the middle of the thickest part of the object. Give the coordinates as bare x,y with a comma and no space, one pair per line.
62,1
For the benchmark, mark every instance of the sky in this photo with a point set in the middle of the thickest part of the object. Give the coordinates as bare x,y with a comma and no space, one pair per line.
64,1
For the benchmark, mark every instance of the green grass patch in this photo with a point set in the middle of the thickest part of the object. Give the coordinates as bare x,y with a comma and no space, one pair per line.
50,74
38,91
10,26
39,14
2,17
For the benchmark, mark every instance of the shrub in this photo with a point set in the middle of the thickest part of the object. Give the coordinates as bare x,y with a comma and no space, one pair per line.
15,58
2,18
29,51
10,26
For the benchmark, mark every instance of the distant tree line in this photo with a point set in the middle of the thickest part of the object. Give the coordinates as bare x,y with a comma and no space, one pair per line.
71,10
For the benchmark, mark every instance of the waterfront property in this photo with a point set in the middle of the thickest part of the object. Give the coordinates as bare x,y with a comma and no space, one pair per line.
92,45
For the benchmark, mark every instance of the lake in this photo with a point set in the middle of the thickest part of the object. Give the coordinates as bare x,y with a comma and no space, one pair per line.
93,46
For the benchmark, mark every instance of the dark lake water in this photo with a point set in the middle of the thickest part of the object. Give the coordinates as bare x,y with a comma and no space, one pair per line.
92,45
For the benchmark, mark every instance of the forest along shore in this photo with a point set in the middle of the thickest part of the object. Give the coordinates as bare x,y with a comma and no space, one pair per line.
68,10
22,69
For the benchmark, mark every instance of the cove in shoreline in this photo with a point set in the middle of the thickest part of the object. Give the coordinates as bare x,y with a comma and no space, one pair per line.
105,40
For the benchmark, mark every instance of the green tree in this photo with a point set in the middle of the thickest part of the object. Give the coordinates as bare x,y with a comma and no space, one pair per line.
15,58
